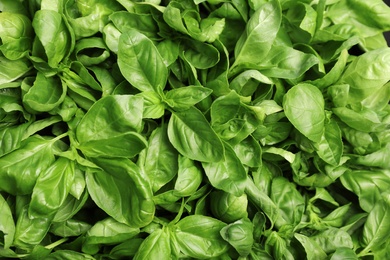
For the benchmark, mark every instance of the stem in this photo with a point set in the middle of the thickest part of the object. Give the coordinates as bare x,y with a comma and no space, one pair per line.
57,243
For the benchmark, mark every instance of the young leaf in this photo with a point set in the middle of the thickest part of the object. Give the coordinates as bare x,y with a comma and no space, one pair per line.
140,62
189,177
160,162
184,98
191,134
330,148
100,135
156,245
53,34
52,188
20,169
122,191
377,227
107,231
228,174
198,236
303,105
260,32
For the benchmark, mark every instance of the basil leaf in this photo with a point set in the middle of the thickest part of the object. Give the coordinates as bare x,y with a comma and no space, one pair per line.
304,107
191,134
202,231
109,186
7,224
135,51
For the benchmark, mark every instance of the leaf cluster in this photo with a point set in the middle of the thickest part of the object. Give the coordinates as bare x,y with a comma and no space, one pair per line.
194,129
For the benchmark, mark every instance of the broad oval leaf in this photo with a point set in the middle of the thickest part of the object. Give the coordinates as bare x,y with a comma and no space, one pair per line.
304,105
160,163
30,232
185,97
376,230
259,35
107,231
312,249
52,188
191,134
287,198
110,127
156,246
53,34
122,191
228,174
20,169
189,177
368,185
46,94
198,236
140,62
330,148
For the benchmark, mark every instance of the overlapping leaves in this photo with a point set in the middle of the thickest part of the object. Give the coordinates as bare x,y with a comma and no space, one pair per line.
194,129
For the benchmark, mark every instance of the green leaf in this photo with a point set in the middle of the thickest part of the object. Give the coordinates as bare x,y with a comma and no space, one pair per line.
70,207
303,105
46,94
140,62
11,138
332,238
91,51
330,148
368,185
69,228
20,169
7,224
68,255
366,74
184,98
198,236
376,228
12,70
16,35
156,245
290,202
228,207
286,63
53,34
160,162
189,177
240,235
122,191
343,253
191,134
52,188
108,137
228,174
107,231
313,250
30,232
259,35
200,55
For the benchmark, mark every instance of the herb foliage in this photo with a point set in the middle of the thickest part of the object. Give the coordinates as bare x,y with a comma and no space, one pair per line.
205,129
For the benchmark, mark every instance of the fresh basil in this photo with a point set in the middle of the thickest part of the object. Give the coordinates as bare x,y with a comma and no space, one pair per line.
194,129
